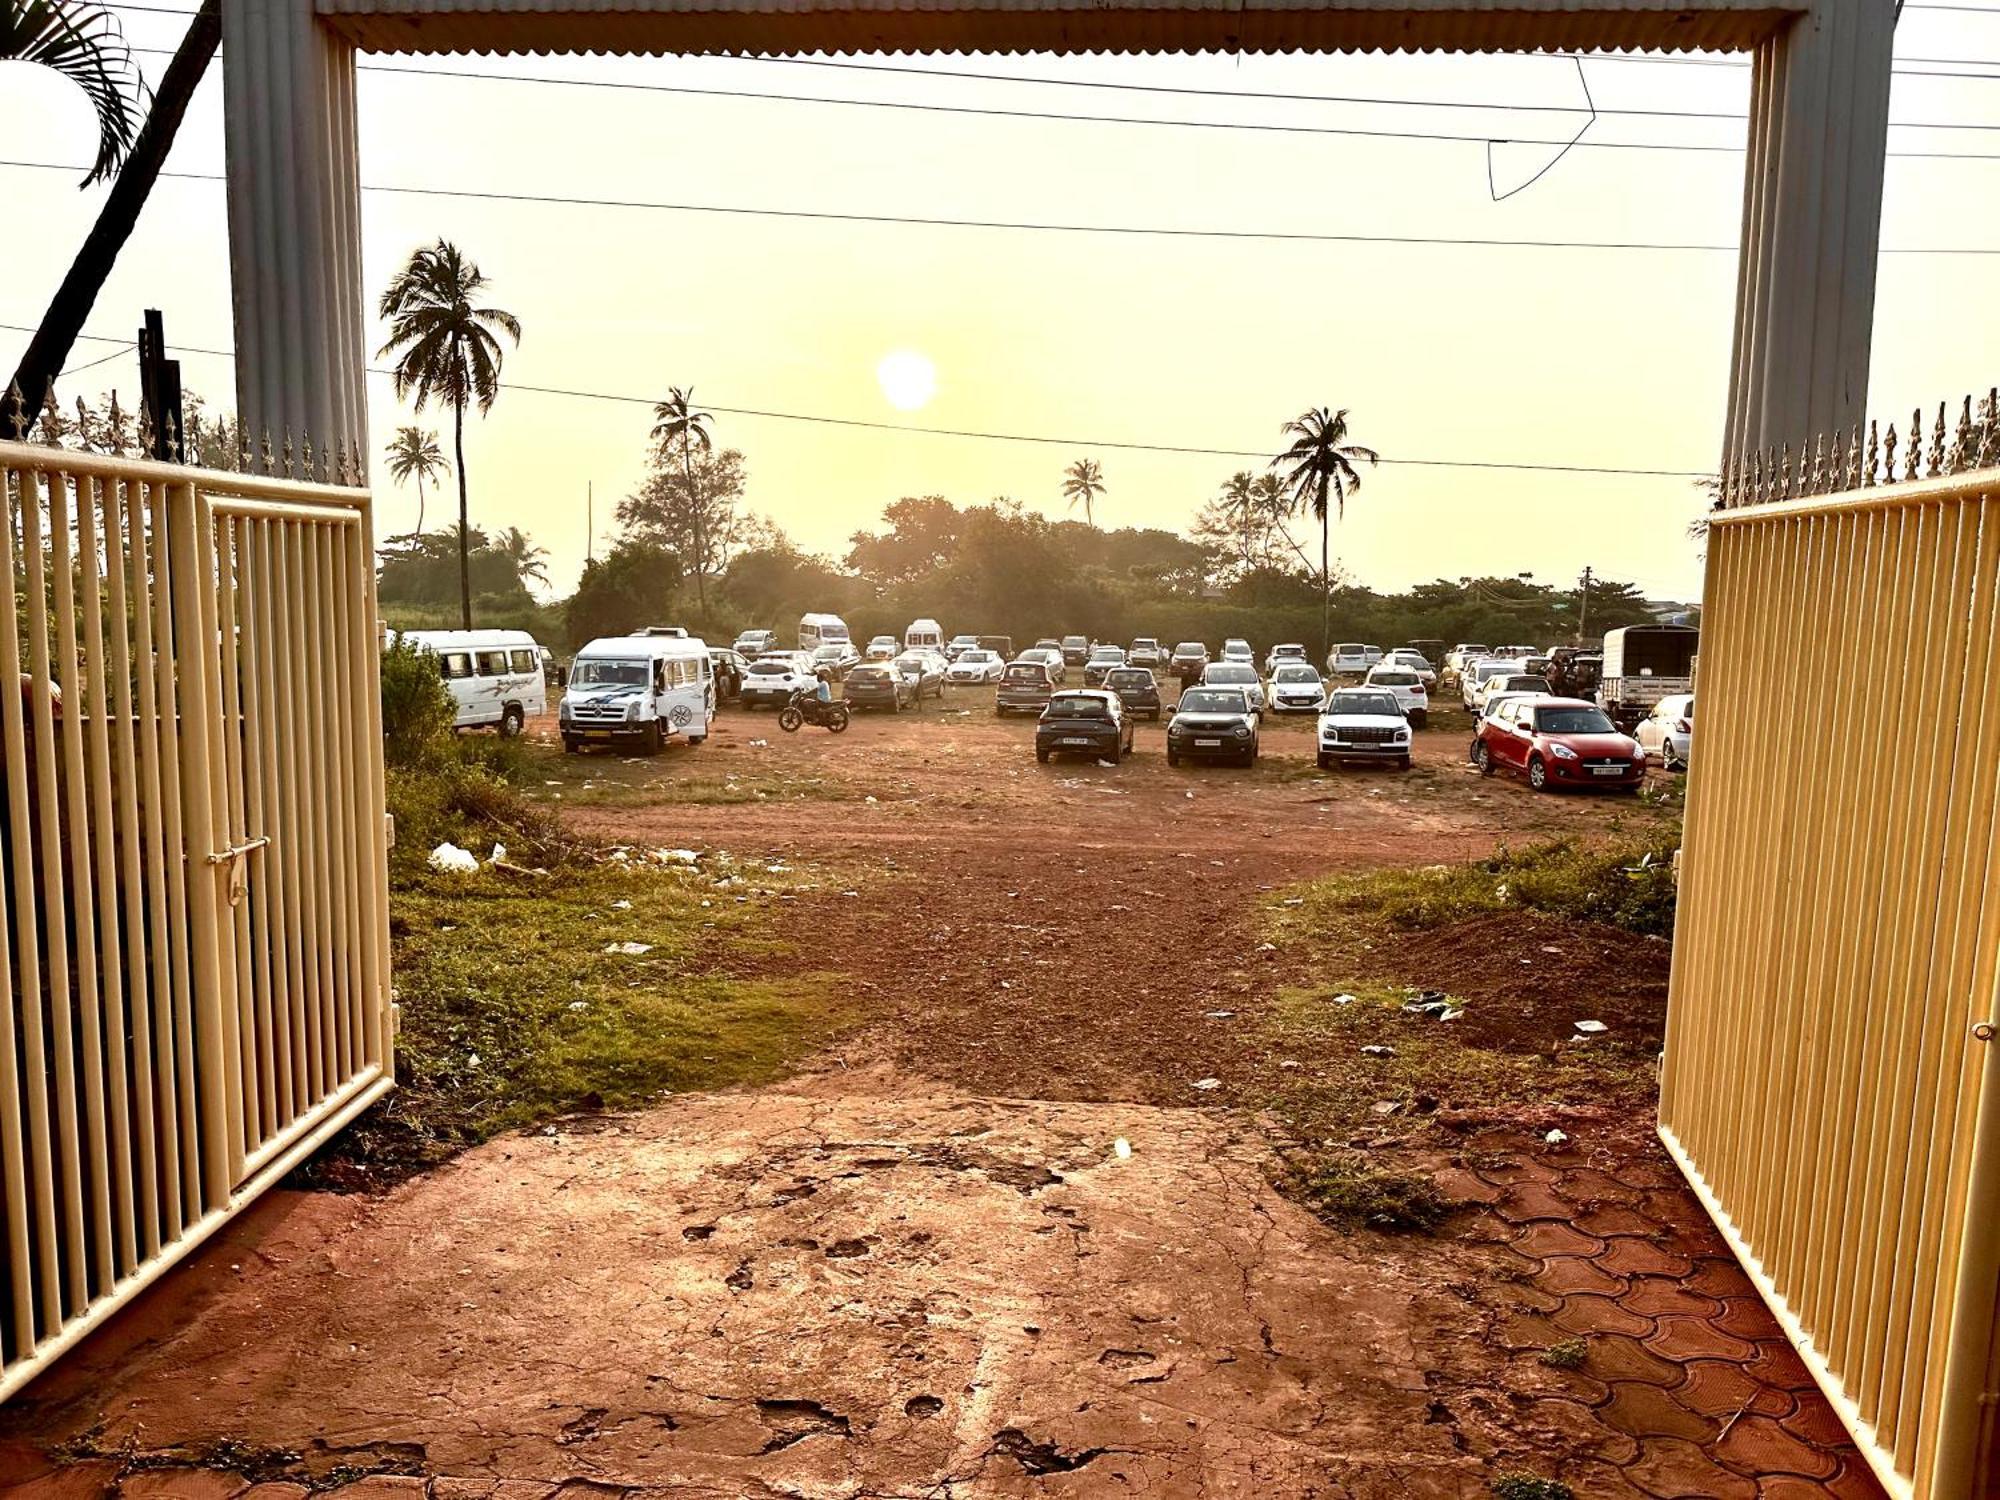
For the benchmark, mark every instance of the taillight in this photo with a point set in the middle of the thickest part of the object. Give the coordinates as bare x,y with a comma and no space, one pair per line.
1682,726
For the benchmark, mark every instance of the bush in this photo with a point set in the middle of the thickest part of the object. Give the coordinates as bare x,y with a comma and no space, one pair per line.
417,708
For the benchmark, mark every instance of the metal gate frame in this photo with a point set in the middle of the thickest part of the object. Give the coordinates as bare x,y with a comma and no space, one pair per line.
196,938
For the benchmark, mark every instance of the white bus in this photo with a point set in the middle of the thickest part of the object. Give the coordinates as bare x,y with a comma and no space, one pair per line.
494,676
649,688
818,630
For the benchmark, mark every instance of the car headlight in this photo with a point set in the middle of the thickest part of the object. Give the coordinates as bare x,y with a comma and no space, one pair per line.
563,711
1241,731
1402,736
1638,751
1563,752
631,713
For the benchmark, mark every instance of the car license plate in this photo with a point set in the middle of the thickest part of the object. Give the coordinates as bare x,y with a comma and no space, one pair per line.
598,734
1075,739
1208,744
1607,770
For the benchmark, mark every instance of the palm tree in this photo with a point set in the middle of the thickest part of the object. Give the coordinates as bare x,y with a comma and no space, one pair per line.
528,560
1239,502
84,44
445,347
1322,465
415,455
678,420
1083,481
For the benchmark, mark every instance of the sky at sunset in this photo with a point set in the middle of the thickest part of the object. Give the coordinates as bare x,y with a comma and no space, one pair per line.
1442,352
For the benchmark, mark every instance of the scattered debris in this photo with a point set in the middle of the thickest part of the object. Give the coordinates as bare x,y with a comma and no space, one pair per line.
1556,1138
453,860
1591,1028
1207,1084
1122,1149
632,950
1378,1050
1218,1015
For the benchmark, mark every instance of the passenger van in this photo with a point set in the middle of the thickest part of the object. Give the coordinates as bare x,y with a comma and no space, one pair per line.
821,630
644,688
494,676
924,635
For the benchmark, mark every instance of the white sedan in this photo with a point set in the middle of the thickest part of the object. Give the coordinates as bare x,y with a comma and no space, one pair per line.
1406,687
1296,687
1236,674
974,667
1667,733
1363,723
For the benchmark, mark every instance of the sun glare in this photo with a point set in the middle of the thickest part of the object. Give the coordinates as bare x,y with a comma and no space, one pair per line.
908,379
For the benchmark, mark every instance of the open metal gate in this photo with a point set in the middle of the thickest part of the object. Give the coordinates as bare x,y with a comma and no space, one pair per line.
195,930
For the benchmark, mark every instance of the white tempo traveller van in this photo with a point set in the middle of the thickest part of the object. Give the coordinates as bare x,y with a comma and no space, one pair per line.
648,688
924,635
494,676
819,630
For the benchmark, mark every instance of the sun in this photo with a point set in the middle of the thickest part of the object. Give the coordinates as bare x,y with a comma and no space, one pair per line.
908,379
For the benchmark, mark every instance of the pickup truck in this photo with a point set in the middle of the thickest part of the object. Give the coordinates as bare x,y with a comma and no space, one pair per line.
1642,665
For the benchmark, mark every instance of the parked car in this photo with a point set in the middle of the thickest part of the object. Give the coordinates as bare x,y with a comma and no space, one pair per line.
1667,733
1025,687
1137,688
1417,662
1289,651
1001,646
1052,658
1189,661
1147,652
1363,723
1406,687
833,659
1559,742
973,667
1643,664
877,684
729,667
1075,649
817,629
1348,659
1238,649
1430,651
494,676
1236,674
1459,658
881,648
1296,688
1213,723
1509,682
1086,721
1100,662
645,688
773,677
926,669
958,645
754,643
1474,674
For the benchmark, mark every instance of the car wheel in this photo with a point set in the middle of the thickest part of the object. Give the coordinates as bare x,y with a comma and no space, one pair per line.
1483,758
512,722
569,744
1041,755
1173,756
1404,763
652,739
1538,774
1325,762
1420,720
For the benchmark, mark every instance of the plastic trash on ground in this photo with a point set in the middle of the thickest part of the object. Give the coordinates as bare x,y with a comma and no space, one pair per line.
454,860
632,950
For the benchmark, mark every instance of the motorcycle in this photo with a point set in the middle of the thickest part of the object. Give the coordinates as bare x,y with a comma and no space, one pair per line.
807,709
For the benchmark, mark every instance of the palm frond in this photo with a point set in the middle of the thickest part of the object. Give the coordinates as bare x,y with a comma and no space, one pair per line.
84,44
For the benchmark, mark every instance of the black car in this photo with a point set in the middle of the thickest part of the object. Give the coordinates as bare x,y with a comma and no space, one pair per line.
1075,649
1099,663
1189,661
1001,646
1138,689
1213,723
1025,687
729,667
879,684
1089,722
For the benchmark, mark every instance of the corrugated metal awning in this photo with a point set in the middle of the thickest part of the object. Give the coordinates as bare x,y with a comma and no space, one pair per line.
765,27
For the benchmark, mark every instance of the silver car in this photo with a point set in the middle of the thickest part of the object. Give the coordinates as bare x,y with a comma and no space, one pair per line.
1667,733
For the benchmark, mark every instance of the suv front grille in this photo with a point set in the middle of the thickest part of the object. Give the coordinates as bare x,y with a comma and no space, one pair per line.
1366,735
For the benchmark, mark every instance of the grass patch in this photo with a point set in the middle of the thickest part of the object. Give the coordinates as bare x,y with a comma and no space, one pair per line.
1567,1355
1626,884
1530,1487
678,777
1348,1191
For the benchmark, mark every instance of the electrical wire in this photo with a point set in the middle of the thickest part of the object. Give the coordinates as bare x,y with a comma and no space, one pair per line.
1162,231
911,429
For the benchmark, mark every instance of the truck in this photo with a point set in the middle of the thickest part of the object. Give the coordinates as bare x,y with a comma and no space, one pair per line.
1643,664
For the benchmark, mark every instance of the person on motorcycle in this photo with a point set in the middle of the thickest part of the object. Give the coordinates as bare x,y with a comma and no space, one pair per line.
823,693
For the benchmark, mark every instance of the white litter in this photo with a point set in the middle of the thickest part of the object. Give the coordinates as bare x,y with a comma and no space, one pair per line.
676,856
1294,901
454,860
1218,1015
1556,1138
1122,1149
579,1005
867,799
1376,1050
1109,765
1343,999
631,949
472,1060
1206,1084
621,905
760,744
1289,1063
1006,984
1451,1015
778,869
1591,1028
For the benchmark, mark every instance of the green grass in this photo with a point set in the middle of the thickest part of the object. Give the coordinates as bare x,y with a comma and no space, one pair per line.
1530,1487
1628,884
1566,1355
615,779
1347,1190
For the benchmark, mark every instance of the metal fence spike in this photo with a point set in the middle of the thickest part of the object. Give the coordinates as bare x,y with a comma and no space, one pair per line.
1874,460
175,452
267,451
1937,445
117,419
1989,429
52,419
17,411
290,472
1961,440
145,428
1913,448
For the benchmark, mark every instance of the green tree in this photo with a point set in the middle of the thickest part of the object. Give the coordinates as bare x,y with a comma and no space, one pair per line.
1083,482
1322,470
633,585
693,506
445,347
527,559
678,421
414,454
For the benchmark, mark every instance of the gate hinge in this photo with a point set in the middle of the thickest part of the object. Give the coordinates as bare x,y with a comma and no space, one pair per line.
233,856
388,830
1982,1031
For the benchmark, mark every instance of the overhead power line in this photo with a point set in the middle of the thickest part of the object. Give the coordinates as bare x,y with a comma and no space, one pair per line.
911,429
1162,231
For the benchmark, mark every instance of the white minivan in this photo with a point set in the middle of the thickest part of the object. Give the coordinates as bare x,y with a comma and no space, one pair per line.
816,630
649,688
494,676
924,635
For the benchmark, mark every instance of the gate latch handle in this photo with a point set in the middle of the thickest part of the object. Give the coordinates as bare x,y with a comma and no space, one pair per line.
233,856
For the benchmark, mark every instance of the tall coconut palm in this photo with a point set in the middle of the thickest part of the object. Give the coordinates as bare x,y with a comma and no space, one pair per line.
1083,482
445,347
678,421
84,44
528,560
414,454
1321,468
1239,503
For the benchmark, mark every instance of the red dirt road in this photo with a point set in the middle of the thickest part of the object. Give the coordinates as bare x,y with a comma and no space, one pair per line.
925,1266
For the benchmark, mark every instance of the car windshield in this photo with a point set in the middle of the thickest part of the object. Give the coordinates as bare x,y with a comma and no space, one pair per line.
1363,703
830,653
1107,653
1572,721
1238,648
609,674
1074,706
1394,679
771,668
1284,651
1300,673
1131,679
1189,648
1023,671
1231,673
975,658
1527,684
1350,648
1214,701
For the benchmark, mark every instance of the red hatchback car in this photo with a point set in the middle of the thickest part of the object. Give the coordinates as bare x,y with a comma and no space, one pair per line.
1558,742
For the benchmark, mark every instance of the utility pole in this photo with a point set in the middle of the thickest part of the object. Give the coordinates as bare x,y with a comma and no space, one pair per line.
1583,604
589,519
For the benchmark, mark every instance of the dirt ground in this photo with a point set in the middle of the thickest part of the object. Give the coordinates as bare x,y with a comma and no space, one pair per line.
1016,1232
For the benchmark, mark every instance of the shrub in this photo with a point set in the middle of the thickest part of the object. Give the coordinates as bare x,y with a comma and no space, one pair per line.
1519,1486
417,708
1356,1195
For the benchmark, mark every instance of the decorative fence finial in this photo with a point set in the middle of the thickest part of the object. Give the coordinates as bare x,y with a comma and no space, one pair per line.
1937,445
1989,429
116,416
16,410
1913,455
290,472
51,417
145,427
1869,474
1961,440
267,451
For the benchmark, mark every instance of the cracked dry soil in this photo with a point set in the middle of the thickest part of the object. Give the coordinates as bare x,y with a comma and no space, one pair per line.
921,1267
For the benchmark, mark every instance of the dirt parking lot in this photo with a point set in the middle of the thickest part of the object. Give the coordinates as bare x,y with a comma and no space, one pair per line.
1096,1191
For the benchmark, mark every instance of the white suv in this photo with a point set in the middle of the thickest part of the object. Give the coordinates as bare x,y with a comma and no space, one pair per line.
1408,689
